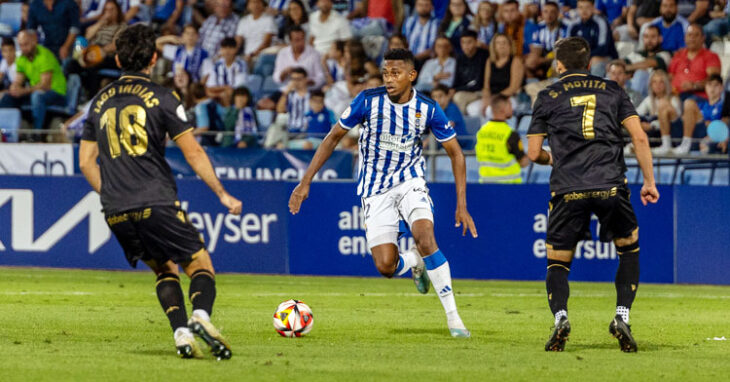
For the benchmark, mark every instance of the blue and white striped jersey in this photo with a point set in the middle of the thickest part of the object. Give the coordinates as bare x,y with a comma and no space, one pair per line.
546,38
223,75
297,106
390,137
420,37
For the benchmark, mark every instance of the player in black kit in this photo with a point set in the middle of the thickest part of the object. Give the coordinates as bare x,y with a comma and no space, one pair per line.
126,130
581,115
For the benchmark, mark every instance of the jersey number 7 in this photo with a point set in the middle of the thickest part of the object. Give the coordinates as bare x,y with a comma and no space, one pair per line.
132,120
589,111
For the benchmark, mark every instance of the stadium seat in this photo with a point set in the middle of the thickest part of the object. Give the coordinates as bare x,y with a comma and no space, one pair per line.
265,119
524,125
10,18
253,83
269,87
473,124
10,123
722,177
264,66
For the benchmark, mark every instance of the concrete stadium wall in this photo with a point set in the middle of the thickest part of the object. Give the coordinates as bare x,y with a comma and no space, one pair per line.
57,222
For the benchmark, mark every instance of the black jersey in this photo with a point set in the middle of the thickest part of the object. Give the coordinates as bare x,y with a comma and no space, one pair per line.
582,117
130,119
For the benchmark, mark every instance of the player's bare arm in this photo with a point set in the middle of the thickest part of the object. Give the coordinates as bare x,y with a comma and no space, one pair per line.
535,151
324,151
458,166
199,161
88,154
649,192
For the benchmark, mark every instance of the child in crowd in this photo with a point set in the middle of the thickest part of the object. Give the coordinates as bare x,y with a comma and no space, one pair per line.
319,121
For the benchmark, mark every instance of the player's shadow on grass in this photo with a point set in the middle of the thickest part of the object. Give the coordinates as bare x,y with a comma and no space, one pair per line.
154,352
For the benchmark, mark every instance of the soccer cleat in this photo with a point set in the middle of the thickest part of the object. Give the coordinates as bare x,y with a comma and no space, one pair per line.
460,333
560,335
187,346
208,333
622,331
420,276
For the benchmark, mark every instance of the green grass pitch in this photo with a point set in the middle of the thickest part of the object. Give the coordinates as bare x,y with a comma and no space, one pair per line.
70,325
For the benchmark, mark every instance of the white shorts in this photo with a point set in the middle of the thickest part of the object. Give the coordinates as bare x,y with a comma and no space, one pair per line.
408,201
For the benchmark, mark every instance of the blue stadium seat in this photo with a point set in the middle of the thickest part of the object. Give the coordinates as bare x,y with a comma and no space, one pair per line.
722,177
10,123
253,83
10,18
265,118
524,125
269,87
264,66
473,124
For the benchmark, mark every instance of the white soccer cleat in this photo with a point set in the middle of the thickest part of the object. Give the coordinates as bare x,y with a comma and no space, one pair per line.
460,333
420,276
187,346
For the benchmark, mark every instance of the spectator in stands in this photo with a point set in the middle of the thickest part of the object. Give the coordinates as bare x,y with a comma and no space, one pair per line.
226,74
397,41
299,55
513,25
376,17
442,94
335,63
470,64
503,75
319,122
339,97
296,16
455,23
659,109
485,23
373,81
59,21
209,117
255,31
246,129
616,71
100,36
672,26
221,24
438,70
614,11
719,25
499,148
698,113
7,65
542,41
185,53
47,85
131,10
166,13
94,9
695,11
326,26
597,32
420,30
691,66
292,108
639,13
357,59
652,57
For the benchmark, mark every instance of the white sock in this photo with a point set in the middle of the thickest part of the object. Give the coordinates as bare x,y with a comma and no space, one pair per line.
182,332
440,275
623,312
560,314
667,141
686,142
408,260
200,313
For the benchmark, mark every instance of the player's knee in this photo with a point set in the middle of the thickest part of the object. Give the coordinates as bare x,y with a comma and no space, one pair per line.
200,262
564,255
426,244
631,240
386,267
167,267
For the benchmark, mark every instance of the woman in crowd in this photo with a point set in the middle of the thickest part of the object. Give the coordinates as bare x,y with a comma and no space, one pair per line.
503,74
456,21
485,23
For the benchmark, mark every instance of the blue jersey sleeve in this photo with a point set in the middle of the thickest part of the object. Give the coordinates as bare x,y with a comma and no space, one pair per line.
440,126
355,113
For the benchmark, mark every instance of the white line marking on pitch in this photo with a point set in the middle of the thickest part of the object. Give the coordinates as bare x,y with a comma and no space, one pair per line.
43,293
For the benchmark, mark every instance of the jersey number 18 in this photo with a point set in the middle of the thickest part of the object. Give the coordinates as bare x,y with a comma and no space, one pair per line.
132,120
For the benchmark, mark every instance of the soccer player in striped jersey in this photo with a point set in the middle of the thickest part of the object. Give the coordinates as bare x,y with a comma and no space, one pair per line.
391,182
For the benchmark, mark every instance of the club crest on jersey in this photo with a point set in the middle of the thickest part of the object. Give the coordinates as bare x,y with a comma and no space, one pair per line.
418,119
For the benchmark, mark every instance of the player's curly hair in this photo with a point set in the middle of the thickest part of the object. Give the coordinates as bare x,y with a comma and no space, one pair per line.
400,55
573,52
135,47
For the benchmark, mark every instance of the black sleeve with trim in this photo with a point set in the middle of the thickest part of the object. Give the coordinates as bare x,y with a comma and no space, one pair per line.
176,121
538,125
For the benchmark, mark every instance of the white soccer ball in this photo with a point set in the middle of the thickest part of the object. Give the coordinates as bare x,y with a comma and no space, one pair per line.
293,318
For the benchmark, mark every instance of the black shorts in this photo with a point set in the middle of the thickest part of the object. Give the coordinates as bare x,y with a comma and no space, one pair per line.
570,216
158,233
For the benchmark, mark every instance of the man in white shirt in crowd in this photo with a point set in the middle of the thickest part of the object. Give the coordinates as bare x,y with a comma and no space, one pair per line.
255,30
326,26
299,54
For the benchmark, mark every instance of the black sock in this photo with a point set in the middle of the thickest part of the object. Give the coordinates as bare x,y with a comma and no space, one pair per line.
172,299
556,282
627,275
202,290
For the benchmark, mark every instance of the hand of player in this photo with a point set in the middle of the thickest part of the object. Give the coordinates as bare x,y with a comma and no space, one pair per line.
464,220
233,204
649,194
300,193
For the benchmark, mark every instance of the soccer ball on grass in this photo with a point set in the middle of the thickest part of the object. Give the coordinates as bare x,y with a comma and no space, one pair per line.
293,318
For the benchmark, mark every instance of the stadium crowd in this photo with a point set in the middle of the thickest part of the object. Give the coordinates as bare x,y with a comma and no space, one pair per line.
278,73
